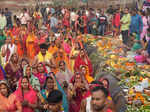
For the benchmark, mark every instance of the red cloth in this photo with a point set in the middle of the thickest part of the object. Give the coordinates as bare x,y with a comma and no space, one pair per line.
85,22
109,110
15,31
116,20
1,75
79,61
75,107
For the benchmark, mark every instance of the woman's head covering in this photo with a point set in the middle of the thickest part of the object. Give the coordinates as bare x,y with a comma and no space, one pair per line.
45,69
24,70
23,59
52,78
19,91
86,67
34,81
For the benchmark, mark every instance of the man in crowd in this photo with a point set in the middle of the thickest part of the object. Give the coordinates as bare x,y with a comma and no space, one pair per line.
98,101
3,21
102,24
8,49
125,24
136,25
43,56
54,23
8,15
24,17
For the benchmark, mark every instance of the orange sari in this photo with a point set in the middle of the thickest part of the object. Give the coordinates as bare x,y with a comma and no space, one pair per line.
19,47
31,52
87,75
52,50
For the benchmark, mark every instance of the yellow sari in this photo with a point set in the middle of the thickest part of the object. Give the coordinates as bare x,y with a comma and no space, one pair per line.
31,52
72,61
87,75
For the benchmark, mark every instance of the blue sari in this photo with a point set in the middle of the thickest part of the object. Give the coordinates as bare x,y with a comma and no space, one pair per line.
65,102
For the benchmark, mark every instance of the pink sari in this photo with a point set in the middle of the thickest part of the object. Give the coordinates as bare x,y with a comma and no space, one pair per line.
30,96
67,48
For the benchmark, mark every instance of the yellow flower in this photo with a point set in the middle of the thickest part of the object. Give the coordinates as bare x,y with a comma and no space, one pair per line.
113,56
131,91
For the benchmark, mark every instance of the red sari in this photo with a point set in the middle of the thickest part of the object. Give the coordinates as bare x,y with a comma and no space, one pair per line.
75,106
79,61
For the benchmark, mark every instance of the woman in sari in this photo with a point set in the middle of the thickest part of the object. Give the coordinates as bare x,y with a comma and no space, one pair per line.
42,73
24,36
64,75
31,52
11,78
67,46
8,103
12,72
51,84
23,62
77,92
13,66
26,95
74,53
18,42
34,81
85,72
83,59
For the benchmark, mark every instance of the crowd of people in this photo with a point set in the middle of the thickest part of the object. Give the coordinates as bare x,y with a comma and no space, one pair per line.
44,64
